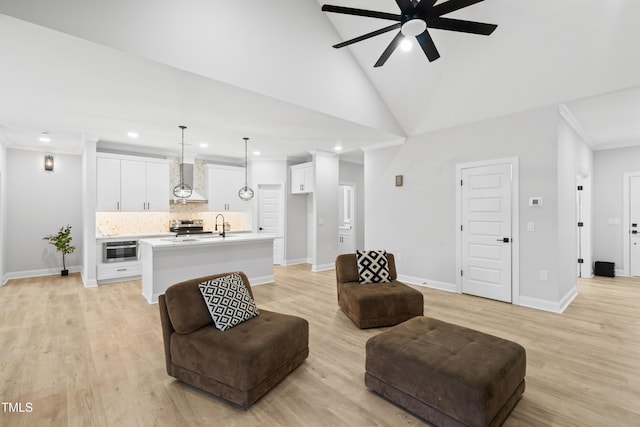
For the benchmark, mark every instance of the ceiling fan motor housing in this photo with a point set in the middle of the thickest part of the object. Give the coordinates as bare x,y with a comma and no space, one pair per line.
412,25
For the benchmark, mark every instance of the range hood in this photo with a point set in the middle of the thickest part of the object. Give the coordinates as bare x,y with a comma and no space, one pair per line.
186,171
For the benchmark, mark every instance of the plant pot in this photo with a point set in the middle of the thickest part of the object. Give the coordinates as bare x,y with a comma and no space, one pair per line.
64,272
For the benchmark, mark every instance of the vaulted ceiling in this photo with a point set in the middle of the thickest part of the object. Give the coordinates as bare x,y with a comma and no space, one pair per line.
266,70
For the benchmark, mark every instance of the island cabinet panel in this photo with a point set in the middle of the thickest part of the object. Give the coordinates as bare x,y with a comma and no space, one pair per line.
132,184
224,182
166,261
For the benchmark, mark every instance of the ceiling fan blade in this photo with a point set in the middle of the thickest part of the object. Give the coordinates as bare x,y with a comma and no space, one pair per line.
451,6
368,35
428,46
389,50
462,26
361,12
425,6
406,6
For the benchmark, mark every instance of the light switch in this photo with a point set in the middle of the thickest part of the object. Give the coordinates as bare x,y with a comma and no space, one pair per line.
531,226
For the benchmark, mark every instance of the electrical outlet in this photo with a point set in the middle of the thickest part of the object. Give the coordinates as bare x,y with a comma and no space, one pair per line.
544,275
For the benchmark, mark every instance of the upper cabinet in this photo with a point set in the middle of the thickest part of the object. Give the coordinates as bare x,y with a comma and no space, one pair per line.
302,178
107,185
224,184
128,184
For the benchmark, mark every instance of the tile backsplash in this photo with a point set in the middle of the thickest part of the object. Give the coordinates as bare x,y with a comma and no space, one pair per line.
112,223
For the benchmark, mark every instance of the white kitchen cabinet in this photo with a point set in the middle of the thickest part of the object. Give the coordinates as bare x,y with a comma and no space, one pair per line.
108,272
302,178
107,184
224,184
132,184
158,184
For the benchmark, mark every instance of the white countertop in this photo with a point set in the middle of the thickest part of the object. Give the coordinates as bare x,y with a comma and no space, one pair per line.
132,236
205,240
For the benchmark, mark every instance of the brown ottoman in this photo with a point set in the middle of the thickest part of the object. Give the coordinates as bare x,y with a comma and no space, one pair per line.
447,374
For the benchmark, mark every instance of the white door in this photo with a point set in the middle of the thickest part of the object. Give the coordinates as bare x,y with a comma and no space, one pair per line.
486,231
270,217
634,225
346,218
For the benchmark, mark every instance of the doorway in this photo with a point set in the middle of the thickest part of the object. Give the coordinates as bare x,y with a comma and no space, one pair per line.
487,230
271,217
631,224
346,218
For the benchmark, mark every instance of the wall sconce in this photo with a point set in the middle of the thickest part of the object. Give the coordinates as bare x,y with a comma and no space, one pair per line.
48,163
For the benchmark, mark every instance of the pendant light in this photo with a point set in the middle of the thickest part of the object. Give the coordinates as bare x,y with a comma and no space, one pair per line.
245,193
182,191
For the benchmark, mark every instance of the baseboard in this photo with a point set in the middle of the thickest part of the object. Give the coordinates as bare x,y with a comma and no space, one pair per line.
38,273
263,280
298,261
323,267
433,284
552,306
88,283
619,272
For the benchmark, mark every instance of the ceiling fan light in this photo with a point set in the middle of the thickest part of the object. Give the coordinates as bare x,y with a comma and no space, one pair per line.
406,45
413,27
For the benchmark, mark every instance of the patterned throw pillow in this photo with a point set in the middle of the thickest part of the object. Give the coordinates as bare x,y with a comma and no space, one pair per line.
373,267
228,301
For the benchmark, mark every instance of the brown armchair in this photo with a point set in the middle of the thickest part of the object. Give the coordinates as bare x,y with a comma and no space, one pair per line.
375,304
239,365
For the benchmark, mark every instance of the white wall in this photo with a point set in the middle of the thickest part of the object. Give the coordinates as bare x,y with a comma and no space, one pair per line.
297,225
353,173
38,204
325,211
3,211
89,188
609,169
417,221
575,159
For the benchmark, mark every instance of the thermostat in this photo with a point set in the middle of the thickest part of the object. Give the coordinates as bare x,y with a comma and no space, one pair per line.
535,201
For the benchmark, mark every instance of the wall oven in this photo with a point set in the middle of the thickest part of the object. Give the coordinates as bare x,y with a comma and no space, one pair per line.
120,251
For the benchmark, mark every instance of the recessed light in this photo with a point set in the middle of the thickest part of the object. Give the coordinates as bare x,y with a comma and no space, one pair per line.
45,137
256,153
338,148
133,135
204,145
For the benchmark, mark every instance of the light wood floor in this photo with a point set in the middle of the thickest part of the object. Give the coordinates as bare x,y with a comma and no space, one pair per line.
95,357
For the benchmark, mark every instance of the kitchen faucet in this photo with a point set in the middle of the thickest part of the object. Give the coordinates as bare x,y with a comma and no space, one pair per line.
215,228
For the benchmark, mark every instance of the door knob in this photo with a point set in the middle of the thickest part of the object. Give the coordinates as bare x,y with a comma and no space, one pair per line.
503,240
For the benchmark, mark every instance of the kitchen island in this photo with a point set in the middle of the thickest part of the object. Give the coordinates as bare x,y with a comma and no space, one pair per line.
169,260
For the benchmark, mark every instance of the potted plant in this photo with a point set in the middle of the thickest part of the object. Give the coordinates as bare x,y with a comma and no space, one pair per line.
62,242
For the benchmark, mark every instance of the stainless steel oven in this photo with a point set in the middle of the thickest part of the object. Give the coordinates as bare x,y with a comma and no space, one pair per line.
120,251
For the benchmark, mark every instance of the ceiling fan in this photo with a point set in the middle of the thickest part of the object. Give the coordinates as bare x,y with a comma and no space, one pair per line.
415,19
